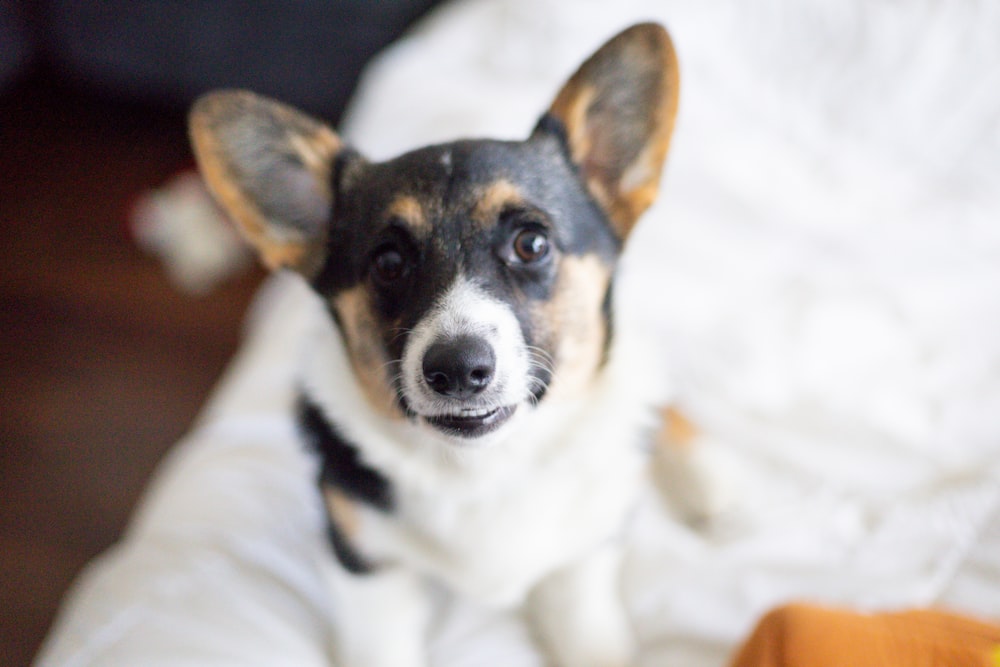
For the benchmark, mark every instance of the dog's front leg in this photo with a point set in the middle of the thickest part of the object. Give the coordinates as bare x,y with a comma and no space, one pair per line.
580,614
380,618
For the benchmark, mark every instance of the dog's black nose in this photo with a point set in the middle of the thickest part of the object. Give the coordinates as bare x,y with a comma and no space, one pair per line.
459,367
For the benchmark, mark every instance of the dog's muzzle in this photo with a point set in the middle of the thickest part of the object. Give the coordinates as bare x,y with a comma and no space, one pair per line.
460,369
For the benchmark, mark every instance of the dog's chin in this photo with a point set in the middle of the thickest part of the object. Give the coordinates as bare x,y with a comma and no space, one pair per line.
471,425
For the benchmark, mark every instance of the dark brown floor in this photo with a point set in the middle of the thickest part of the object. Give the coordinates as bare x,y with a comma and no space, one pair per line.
104,364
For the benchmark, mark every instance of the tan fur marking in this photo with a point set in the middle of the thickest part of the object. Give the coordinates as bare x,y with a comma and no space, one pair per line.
316,151
342,510
576,323
409,209
366,354
493,199
676,430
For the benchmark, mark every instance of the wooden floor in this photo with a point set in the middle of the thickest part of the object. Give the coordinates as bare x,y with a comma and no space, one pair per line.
104,364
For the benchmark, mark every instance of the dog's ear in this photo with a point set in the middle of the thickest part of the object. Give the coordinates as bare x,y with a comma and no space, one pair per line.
618,112
269,166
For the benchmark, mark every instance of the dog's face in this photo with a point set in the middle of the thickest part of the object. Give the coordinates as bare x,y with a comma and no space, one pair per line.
470,281
468,278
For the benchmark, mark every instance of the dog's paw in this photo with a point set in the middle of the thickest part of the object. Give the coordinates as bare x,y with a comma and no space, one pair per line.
579,614
698,476
700,482
380,618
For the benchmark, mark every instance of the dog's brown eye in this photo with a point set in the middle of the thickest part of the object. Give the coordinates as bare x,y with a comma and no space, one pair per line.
388,266
531,245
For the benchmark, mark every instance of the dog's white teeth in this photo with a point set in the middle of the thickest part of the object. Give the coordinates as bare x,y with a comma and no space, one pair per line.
471,413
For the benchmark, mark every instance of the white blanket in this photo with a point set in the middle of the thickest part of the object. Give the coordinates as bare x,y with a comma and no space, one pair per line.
823,268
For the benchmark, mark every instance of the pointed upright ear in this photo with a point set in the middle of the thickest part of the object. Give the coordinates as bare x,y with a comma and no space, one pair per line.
618,114
269,166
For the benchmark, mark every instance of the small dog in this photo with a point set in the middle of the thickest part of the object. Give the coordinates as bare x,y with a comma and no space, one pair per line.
479,411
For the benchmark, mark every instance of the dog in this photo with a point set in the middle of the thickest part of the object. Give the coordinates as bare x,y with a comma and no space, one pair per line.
480,411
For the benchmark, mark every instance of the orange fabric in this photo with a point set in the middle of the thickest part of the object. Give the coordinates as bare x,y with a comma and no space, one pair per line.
806,636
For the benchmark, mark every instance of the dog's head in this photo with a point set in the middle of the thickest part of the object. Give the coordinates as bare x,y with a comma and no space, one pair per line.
468,280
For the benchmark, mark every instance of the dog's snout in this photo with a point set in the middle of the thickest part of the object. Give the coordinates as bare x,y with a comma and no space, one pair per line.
459,367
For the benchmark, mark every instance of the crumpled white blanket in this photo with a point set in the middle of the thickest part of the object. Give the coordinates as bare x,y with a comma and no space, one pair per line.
824,270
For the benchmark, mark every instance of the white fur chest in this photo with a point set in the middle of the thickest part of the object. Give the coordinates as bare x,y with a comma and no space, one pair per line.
491,537
490,520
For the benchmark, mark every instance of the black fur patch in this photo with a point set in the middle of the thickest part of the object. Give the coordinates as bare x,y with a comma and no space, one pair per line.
342,468
549,124
345,552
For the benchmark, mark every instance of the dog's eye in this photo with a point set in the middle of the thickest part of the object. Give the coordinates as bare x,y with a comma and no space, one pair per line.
531,245
388,265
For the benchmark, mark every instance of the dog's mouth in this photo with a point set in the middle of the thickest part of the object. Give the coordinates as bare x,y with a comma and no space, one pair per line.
472,423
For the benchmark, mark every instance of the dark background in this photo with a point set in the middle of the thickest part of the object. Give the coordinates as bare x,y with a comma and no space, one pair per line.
104,362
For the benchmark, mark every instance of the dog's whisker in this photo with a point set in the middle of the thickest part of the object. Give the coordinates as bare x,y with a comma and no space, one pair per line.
391,363
540,352
541,359
545,369
398,332
536,386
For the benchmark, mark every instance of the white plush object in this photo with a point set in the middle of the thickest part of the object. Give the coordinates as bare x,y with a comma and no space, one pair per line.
179,223
823,268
